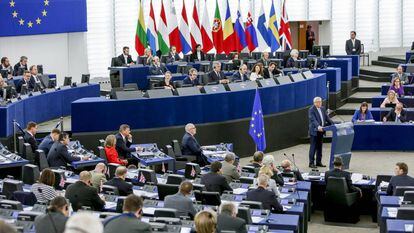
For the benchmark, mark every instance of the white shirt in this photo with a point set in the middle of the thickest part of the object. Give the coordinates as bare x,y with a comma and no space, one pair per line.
126,58
199,56
321,116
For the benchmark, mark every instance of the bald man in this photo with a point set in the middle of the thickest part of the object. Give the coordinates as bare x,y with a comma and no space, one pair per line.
190,145
98,176
181,201
82,193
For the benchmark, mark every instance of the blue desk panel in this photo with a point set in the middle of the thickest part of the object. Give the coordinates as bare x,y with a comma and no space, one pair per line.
355,63
408,89
91,114
408,101
16,79
333,75
379,113
344,63
281,222
44,107
398,225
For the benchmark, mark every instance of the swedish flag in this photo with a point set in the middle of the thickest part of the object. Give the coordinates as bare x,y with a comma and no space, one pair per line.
273,30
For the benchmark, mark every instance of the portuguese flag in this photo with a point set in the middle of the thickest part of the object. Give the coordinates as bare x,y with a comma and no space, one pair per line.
141,35
217,31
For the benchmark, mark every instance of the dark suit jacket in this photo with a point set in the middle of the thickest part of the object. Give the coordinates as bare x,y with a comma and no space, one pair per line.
349,47
80,194
267,198
402,180
190,145
194,82
226,222
278,179
122,59
46,144
213,78
391,116
16,71
296,173
126,222
123,146
237,76
21,82
290,63
264,62
59,155
45,222
28,138
194,58
172,58
158,70
33,82
124,187
339,173
255,165
315,120
236,64
215,183
267,74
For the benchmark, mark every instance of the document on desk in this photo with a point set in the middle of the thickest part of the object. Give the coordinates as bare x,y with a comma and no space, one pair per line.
145,194
110,205
256,219
408,227
356,177
149,210
284,195
185,230
239,191
286,207
392,212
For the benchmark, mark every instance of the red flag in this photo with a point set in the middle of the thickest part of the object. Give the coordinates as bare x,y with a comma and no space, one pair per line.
217,30
163,168
62,182
284,31
142,178
206,31
193,172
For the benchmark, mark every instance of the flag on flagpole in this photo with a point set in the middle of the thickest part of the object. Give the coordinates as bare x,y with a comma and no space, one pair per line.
251,36
185,31
173,31
163,40
193,172
229,41
195,27
284,31
240,36
273,30
256,129
140,35
163,168
206,31
152,31
217,30
142,178
262,33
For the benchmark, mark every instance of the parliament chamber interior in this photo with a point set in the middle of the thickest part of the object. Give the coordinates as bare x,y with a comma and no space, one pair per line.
207,116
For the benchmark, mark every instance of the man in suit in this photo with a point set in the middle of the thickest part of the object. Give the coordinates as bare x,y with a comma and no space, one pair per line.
55,218
400,179
34,78
181,201
98,176
5,65
20,67
400,74
6,91
173,55
398,114
317,120
59,155
124,142
216,75
353,46
190,145
227,220
269,161
48,141
287,168
266,197
229,171
82,193
25,81
29,135
310,38
197,54
124,188
271,71
125,58
157,68
192,79
241,75
214,180
338,173
265,60
257,160
130,220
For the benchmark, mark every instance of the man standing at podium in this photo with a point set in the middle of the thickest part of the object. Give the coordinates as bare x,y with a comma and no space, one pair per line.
317,120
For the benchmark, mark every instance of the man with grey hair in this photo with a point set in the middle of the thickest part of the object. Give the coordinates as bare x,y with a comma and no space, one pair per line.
157,68
216,75
229,170
227,220
269,161
190,145
266,197
181,201
317,120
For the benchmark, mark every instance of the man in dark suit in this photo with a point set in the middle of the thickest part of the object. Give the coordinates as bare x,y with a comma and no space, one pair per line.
216,75
124,141
59,155
20,67
173,55
197,54
190,145
82,193
241,75
227,220
310,38
317,120
400,179
181,201
271,71
157,68
6,91
130,220
125,58
48,141
34,78
398,114
267,198
287,168
265,60
192,79
124,188
338,173
25,81
29,135
353,46
214,181
401,75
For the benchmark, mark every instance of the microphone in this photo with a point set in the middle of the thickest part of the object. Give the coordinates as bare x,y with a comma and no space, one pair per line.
294,163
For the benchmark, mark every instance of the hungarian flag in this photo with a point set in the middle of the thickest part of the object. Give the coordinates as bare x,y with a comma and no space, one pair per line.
141,35
206,31
163,40
217,31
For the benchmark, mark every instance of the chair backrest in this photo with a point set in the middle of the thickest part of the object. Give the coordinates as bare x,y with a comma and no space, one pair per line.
400,190
210,198
170,151
177,147
111,169
244,213
406,213
42,159
101,142
249,169
120,204
11,205
165,213
30,174
288,174
409,196
336,190
110,190
102,153
175,179
166,189
20,148
10,186
26,198
28,152
252,204
246,180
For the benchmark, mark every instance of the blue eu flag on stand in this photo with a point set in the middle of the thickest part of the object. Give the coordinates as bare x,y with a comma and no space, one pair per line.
256,129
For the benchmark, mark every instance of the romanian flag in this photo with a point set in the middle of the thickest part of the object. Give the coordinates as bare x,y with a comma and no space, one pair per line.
228,33
141,35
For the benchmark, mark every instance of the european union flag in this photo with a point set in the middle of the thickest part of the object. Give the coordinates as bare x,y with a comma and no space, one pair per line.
256,129
31,17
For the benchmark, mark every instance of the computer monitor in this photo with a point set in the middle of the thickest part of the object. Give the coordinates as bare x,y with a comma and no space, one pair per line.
159,93
270,82
283,80
149,176
249,85
128,95
166,189
24,89
410,68
52,83
85,78
186,91
192,170
209,89
67,81
320,50
307,74
10,186
296,77
11,205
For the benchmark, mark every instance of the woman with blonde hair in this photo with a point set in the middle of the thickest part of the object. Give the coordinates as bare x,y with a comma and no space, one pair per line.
391,99
266,170
111,153
205,222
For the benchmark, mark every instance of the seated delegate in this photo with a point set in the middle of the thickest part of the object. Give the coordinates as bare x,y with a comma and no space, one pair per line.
397,87
292,61
125,58
197,54
265,60
400,74
192,78
400,179
29,135
111,153
214,180
24,82
48,141
261,194
167,83
241,74
338,172
257,72
124,188
271,71
157,68
43,189
391,100
59,155
236,61
217,75
362,114
190,145
173,55
124,142
398,114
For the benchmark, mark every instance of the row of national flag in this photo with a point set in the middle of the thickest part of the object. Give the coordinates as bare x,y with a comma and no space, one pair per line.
222,34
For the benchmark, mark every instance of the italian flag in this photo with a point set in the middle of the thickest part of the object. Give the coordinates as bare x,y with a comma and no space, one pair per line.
141,35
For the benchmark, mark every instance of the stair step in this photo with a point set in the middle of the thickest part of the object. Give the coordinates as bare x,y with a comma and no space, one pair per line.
345,111
369,89
374,78
376,73
391,59
386,64
359,99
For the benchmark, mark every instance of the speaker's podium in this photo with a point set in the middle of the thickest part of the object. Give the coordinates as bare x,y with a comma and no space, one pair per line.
342,139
